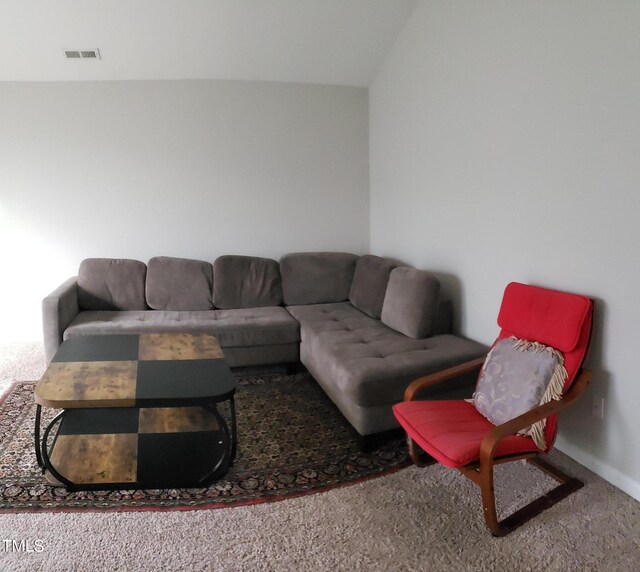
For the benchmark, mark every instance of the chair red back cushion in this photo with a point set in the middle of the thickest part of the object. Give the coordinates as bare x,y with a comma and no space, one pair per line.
557,319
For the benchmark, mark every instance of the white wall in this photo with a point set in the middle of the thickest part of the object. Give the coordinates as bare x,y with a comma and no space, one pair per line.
505,145
185,168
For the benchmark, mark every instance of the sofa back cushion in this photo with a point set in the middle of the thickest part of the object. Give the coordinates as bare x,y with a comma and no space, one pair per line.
179,284
411,302
370,284
246,282
111,284
316,277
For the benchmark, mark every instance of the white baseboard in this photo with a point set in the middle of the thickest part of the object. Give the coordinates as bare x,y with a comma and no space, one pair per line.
608,473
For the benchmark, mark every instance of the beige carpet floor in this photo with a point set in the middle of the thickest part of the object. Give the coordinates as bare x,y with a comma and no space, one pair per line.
416,519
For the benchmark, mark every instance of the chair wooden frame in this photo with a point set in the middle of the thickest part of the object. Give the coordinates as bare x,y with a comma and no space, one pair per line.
481,472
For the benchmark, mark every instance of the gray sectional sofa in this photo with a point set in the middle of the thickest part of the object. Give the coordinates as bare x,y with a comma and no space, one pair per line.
362,325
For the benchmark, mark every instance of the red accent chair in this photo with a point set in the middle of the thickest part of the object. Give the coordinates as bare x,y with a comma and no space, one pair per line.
456,435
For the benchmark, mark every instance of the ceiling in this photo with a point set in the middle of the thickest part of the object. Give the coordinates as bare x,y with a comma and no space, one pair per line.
340,42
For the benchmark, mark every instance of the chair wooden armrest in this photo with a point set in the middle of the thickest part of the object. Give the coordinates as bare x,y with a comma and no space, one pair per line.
422,382
490,442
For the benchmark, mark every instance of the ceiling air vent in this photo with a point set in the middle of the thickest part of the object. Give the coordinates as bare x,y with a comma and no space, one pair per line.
82,54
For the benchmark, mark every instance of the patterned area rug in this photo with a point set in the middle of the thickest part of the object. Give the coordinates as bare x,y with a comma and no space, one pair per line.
292,441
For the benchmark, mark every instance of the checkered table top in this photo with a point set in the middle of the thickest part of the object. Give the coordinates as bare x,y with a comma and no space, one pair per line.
147,370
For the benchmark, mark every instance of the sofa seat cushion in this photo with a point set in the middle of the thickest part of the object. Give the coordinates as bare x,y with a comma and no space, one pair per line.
432,425
331,317
179,284
233,328
368,361
256,327
246,282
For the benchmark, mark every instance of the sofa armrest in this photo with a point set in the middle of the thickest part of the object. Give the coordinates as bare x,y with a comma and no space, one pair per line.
58,310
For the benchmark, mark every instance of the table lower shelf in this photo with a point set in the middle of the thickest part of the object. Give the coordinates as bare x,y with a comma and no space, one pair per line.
128,448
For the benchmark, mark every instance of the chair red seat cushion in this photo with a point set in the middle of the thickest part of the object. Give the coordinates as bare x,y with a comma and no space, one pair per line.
452,431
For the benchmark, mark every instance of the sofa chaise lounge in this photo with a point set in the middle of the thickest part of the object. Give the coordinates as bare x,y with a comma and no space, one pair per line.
363,326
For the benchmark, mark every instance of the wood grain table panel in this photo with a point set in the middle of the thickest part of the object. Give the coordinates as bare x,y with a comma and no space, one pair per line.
176,420
90,459
88,384
178,347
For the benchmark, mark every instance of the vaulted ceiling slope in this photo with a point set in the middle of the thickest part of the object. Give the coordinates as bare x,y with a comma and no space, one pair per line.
340,42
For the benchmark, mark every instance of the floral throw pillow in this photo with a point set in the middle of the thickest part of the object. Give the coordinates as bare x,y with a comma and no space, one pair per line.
517,376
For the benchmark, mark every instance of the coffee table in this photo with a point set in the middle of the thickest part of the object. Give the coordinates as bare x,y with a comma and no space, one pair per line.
139,411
